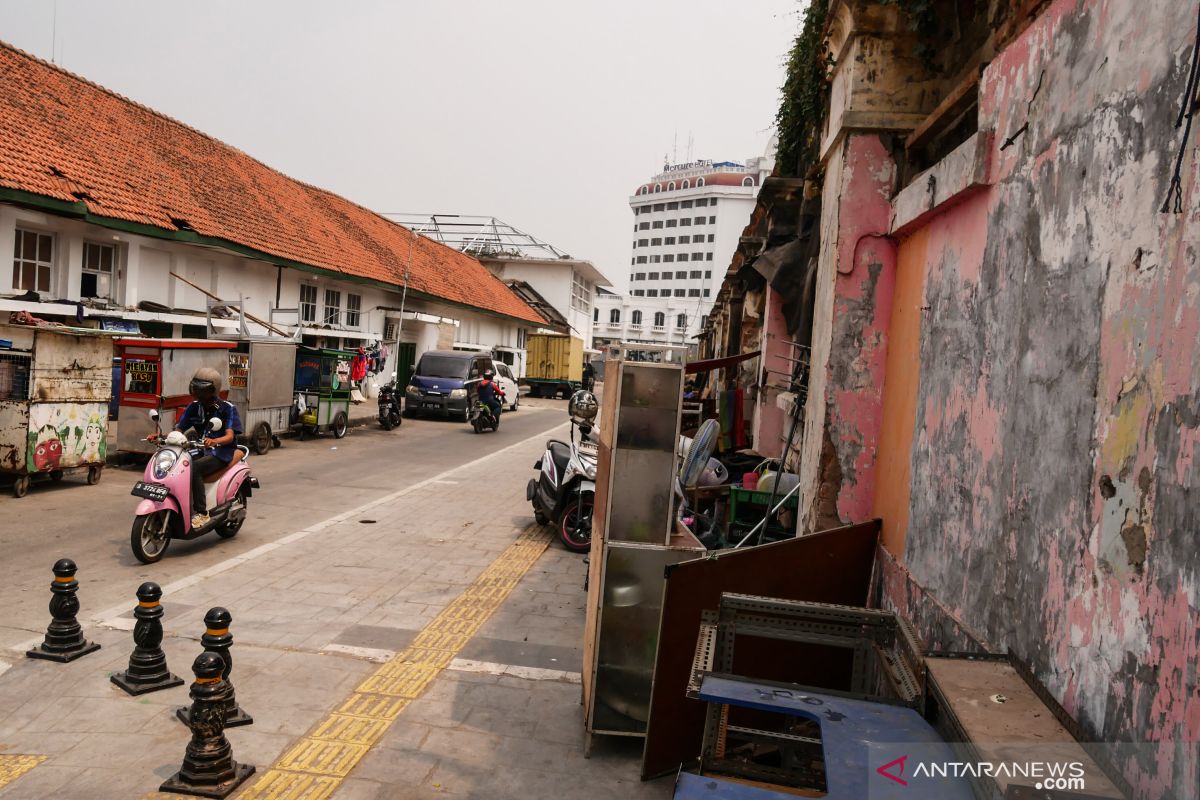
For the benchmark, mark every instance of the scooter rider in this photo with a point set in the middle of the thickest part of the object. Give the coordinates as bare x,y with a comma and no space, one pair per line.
218,450
490,393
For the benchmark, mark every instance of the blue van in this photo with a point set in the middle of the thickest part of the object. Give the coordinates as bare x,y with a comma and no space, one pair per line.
439,383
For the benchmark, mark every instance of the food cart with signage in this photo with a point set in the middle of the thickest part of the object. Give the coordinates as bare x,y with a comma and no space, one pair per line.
260,385
322,384
155,374
55,383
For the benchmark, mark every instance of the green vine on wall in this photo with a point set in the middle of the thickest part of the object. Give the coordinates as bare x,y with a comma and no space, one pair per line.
923,21
805,94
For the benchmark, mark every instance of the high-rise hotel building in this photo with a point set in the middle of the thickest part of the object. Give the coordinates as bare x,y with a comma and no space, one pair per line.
687,221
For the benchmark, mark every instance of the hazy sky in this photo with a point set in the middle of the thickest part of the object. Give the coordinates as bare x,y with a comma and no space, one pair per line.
544,114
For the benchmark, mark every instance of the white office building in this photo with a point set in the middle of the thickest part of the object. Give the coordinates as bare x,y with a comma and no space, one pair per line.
687,221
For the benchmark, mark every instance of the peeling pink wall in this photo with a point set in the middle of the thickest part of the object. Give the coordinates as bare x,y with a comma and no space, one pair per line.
1054,486
862,307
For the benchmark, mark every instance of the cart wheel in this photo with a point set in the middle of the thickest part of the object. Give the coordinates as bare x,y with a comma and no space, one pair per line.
21,486
262,439
340,423
56,475
94,475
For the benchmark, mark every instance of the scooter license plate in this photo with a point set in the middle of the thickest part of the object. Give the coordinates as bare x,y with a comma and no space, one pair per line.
151,491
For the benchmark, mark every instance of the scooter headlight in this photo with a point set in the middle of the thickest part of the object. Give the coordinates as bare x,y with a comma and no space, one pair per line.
164,460
458,394
589,470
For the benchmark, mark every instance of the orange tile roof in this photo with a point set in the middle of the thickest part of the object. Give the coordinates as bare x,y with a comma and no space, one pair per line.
66,138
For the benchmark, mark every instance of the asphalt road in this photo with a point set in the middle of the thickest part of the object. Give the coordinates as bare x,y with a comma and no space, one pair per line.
302,483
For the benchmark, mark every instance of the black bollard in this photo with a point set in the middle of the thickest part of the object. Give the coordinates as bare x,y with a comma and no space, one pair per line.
64,637
208,768
217,639
147,670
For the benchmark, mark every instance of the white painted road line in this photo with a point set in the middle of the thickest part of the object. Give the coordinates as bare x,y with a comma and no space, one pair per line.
368,653
107,616
514,671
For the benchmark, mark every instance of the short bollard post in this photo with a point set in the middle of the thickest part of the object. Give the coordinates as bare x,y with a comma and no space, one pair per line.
217,639
147,670
208,768
64,637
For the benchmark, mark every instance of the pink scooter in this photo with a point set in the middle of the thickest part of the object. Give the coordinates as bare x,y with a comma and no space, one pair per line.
166,491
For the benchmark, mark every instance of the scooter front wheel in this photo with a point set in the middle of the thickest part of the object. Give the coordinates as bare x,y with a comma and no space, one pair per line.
150,536
575,523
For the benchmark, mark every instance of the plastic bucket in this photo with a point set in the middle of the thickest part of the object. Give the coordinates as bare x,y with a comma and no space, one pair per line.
750,481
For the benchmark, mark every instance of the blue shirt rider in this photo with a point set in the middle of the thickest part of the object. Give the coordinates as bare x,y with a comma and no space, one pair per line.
218,448
490,393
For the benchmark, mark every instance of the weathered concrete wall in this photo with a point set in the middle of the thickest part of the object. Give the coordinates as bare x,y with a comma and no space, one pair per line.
1053,504
855,287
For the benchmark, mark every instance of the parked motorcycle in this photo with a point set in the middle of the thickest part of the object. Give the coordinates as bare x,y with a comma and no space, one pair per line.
565,490
166,491
389,405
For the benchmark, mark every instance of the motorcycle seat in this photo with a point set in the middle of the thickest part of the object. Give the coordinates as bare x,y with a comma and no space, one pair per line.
238,455
561,453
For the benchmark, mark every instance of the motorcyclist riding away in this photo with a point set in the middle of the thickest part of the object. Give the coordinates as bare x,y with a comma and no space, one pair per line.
219,449
490,393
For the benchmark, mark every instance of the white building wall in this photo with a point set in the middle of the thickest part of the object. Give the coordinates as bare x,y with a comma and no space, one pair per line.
144,264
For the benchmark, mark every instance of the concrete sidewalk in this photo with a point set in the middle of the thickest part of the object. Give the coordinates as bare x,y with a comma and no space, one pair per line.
446,580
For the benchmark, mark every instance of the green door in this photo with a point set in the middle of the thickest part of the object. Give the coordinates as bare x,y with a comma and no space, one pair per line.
406,354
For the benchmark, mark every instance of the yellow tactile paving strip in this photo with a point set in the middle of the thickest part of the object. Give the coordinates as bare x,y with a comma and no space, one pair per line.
314,767
14,766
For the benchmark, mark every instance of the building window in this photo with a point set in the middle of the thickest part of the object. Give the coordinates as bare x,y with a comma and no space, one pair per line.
655,259
98,260
308,303
658,223
659,206
641,276
660,319
33,257
747,181
685,184
712,202
389,330
703,201
652,293
595,315
614,316
672,206
668,258
707,274
636,319
638,292
699,182
712,220
711,237
681,257
680,292
641,259
655,242
697,257
671,223
353,310
643,242
333,307
643,226
695,274
693,292
685,221
681,321
581,293
708,256
669,240
671,186
681,275
706,292
653,276
699,220
704,321
657,188
687,204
